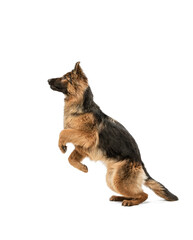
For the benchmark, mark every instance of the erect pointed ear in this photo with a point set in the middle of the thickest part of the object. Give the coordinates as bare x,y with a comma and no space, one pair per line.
77,67
78,70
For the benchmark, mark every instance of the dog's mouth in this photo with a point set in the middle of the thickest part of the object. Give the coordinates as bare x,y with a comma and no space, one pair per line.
58,89
55,88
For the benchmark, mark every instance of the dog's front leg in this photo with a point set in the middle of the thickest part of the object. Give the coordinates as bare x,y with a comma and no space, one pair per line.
82,141
75,159
78,138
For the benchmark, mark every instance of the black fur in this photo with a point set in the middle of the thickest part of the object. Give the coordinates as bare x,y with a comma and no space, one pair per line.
90,106
117,142
114,140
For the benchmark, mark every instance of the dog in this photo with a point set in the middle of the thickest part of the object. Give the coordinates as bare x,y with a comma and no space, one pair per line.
99,137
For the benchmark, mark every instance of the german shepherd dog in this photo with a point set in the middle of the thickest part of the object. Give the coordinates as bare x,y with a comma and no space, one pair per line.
100,137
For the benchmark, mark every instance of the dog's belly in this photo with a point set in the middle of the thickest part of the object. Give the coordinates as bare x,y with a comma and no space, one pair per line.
96,154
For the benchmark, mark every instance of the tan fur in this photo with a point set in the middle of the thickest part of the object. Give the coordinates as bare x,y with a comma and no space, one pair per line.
157,188
81,130
127,183
76,91
75,159
77,137
84,122
125,176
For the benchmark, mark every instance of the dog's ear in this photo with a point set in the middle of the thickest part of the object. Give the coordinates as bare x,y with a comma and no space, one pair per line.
78,71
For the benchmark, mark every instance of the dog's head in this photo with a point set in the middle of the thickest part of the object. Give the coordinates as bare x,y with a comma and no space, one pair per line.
72,84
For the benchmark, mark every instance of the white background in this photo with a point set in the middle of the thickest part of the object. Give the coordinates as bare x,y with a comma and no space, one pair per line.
138,57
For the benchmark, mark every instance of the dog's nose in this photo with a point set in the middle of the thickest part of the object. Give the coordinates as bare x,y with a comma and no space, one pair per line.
49,81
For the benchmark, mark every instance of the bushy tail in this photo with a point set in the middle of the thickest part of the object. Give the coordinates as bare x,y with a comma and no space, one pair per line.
159,189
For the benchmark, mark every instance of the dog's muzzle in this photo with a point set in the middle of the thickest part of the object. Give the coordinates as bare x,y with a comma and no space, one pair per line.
50,81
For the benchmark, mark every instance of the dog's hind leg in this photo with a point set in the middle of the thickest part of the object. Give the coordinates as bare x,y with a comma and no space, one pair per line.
126,178
75,159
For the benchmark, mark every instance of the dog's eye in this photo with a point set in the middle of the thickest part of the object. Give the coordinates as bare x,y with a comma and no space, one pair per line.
70,80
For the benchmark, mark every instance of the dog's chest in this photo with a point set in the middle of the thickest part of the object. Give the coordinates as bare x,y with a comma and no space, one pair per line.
84,122
69,122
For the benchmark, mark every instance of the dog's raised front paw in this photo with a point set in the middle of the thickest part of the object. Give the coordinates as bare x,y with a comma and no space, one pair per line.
63,148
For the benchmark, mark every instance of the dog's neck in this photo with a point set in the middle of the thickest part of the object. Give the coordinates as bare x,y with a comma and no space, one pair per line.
83,103
72,108
88,100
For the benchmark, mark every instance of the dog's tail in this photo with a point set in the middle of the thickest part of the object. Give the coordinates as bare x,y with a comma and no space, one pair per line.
159,189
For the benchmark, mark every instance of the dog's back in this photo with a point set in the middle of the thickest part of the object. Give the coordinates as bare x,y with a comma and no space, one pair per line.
99,137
